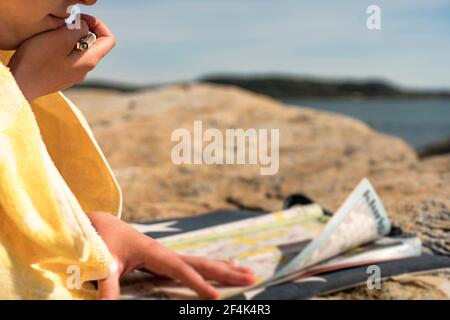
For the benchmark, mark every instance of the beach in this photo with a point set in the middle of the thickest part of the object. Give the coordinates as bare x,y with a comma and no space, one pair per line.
322,154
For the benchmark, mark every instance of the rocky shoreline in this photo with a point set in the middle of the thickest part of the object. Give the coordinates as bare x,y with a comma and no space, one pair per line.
322,154
438,148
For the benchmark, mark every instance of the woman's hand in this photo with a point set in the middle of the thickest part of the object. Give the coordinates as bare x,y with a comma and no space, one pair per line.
48,62
133,250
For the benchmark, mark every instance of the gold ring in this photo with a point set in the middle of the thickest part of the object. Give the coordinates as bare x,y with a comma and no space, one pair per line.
86,42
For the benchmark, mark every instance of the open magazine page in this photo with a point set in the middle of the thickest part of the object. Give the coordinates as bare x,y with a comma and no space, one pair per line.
143,285
264,243
384,249
361,219
258,243
282,245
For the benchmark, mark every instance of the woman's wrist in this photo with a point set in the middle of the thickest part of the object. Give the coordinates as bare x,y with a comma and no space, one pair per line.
23,84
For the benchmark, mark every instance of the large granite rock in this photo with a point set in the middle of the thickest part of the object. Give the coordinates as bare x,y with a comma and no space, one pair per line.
322,155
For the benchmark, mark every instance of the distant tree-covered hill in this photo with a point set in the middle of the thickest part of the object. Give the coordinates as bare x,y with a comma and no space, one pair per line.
289,87
298,87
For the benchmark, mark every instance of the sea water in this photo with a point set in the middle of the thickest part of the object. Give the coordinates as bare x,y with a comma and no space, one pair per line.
419,121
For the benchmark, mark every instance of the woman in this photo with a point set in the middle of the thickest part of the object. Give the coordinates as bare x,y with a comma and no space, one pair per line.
59,202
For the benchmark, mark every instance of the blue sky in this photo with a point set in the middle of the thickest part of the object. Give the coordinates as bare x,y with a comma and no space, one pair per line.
170,40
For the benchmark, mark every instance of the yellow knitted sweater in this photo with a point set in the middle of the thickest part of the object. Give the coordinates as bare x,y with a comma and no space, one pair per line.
51,172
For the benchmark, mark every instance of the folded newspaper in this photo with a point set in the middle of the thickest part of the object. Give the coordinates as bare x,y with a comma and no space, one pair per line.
292,244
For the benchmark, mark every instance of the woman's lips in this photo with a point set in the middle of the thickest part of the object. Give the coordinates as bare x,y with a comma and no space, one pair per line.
58,21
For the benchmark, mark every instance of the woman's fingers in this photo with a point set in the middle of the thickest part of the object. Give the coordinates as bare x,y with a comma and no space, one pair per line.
105,38
241,269
193,261
85,61
74,35
163,262
66,39
236,267
221,271
109,288
189,277
96,26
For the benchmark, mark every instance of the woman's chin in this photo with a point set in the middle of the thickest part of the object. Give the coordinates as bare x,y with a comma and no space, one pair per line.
10,45
8,48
